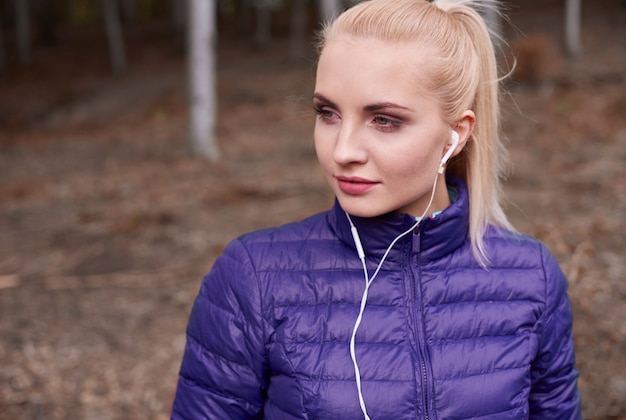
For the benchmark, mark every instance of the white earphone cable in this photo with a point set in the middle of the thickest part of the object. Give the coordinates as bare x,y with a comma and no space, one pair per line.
368,283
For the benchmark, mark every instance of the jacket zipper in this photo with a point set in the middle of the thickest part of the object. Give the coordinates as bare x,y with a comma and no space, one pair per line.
418,325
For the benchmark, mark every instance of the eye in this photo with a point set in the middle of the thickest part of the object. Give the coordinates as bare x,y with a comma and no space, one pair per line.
386,123
325,114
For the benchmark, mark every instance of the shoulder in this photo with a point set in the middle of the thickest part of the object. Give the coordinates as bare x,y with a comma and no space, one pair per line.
529,258
279,248
514,249
313,227
246,259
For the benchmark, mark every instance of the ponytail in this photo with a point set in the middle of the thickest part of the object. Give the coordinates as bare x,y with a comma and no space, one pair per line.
484,160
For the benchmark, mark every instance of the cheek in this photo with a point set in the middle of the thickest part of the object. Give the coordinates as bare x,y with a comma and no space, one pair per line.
410,164
323,148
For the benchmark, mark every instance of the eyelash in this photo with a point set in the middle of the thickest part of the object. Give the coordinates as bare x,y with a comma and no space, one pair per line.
389,124
382,122
322,113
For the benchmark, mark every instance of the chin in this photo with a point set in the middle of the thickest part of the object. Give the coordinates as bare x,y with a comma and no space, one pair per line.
360,209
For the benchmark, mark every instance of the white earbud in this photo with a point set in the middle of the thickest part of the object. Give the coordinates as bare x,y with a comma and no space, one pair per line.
454,142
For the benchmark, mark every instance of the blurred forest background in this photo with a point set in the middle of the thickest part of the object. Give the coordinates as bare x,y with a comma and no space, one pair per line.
107,222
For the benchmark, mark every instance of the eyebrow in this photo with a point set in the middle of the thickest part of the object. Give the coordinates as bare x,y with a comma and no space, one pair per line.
324,99
384,105
368,108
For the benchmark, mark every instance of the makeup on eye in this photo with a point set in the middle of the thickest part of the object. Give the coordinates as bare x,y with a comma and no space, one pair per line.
325,114
325,109
386,123
388,115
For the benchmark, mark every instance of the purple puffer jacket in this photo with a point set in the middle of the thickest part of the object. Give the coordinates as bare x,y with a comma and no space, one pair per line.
441,338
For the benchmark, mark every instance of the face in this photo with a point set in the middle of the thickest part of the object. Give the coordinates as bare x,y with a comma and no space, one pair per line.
378,136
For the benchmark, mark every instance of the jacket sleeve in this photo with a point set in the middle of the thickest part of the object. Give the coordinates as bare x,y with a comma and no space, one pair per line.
222,371
554,390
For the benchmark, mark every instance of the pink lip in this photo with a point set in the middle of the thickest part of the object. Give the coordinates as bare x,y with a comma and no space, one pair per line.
355,185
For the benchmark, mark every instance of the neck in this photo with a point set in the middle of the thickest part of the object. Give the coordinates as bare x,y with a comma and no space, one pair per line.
435,201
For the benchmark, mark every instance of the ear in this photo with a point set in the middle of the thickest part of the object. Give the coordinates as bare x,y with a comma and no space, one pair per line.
464,127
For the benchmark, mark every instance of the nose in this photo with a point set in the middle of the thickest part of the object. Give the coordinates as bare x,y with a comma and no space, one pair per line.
349,146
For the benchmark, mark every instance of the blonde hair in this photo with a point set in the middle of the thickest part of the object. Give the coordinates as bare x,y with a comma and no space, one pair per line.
463,77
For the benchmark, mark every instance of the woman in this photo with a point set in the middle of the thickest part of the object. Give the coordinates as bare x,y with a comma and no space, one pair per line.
412,298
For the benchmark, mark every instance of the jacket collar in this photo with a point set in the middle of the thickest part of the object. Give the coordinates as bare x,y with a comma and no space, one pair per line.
434,238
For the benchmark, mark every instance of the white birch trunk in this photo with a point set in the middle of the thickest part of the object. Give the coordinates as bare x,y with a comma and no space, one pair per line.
202,75
113,27
22,30
572,26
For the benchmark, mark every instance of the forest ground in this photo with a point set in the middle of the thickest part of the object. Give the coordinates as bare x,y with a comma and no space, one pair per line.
107,224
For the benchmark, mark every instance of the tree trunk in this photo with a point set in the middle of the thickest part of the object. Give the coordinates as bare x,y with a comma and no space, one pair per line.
244,17
263,34
298,29
22,30
179,22
572,26
3,64
117,51
129,9
46,21
179,13
202,92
